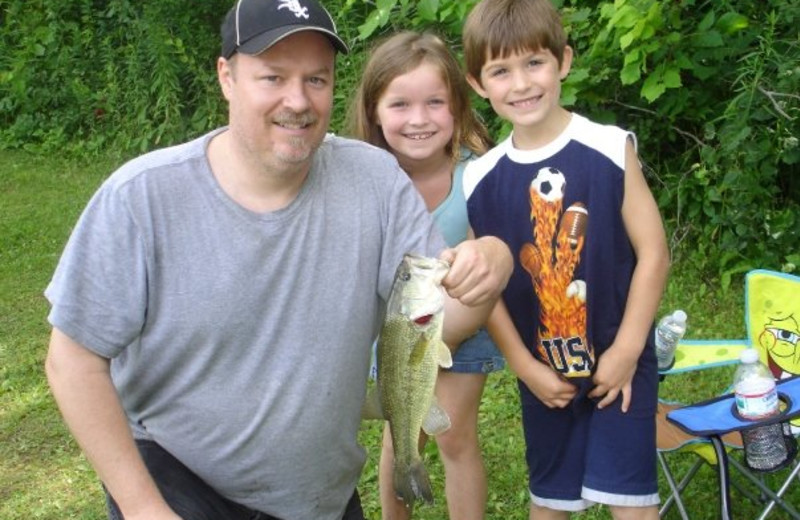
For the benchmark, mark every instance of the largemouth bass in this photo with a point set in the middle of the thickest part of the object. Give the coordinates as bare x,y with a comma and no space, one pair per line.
409,353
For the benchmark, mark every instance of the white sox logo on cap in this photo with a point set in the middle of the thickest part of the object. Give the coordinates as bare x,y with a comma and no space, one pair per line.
295,7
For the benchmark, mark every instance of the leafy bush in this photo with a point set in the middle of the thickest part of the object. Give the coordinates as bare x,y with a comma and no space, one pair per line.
85,75
710,88
711,91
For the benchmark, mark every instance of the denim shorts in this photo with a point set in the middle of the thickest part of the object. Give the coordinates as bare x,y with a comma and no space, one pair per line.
476,355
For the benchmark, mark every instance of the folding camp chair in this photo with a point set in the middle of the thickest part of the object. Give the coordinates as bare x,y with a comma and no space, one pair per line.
713,418
691,356
772,313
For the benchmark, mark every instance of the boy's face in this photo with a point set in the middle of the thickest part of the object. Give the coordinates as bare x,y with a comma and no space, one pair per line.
524,87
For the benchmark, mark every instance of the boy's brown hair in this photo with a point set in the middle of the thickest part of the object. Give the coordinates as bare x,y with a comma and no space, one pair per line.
398,55
498,28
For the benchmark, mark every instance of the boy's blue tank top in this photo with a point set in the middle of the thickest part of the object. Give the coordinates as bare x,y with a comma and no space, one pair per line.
559,210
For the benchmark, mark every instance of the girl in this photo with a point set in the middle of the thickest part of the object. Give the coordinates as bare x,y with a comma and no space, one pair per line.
413,101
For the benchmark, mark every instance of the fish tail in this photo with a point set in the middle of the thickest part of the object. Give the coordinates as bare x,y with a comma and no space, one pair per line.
411,481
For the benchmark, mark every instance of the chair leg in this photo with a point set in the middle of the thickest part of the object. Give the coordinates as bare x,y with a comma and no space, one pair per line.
722,472
775,498
781,491
676,488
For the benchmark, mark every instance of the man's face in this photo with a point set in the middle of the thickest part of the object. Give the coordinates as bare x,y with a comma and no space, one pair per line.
280,101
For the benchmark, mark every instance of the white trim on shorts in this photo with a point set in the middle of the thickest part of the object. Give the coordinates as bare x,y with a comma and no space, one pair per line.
615,499
562,505
592,497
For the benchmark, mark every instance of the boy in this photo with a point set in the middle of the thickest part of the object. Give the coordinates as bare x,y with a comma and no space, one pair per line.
575,322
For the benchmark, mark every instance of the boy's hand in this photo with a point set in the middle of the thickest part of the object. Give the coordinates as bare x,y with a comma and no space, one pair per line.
547,385
613,376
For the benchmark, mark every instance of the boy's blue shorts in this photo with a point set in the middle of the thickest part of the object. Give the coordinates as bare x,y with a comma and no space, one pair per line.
476,355
579,455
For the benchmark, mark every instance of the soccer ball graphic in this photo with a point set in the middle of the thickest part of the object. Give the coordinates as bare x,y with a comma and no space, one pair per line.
549,183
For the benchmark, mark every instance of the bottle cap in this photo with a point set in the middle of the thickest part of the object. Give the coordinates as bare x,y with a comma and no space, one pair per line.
749,355
679,316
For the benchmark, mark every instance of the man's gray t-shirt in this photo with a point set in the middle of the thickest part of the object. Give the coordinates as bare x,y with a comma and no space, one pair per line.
240,342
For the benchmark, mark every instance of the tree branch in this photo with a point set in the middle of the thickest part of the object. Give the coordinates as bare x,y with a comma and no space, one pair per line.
772,95
684,133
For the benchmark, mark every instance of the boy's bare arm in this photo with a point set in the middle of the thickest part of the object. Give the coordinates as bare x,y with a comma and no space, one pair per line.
645,229
544,382
81,383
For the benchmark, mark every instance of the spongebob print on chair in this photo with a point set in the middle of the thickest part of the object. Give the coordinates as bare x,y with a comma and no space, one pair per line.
551,261
772,311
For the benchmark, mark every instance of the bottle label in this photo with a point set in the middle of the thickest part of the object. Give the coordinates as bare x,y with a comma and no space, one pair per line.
757,401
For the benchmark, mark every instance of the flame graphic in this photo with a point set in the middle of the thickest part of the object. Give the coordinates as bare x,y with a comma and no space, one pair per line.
551,264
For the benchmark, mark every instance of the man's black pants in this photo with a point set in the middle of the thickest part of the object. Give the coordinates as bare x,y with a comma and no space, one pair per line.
193,499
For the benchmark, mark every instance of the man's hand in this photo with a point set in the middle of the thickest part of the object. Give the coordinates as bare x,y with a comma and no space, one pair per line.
479,270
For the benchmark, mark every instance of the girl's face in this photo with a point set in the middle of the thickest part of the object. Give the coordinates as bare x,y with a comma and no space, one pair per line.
414,115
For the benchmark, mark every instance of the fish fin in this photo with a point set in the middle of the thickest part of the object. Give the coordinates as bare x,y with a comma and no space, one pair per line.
372,409
417,354
436,421
445,357
411,482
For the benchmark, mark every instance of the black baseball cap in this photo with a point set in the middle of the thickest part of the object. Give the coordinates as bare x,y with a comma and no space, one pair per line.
253,26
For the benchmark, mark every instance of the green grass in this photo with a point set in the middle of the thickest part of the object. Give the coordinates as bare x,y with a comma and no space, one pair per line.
44,476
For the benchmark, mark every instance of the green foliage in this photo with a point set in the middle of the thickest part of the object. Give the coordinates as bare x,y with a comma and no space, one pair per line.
710,88
445,16
86,76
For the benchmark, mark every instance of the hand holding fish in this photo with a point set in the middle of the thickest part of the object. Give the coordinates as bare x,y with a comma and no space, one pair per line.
479,270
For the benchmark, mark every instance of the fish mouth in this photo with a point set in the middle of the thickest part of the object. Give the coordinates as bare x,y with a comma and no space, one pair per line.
424,319
422,313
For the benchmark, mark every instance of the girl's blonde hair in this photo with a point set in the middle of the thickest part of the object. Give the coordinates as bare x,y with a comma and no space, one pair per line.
398,55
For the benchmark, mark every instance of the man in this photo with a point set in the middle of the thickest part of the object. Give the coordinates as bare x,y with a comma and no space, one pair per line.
214,308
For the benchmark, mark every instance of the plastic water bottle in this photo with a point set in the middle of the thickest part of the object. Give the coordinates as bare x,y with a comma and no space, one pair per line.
669,332
757,398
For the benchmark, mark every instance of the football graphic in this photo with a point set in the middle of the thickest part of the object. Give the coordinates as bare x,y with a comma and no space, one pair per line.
574,222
